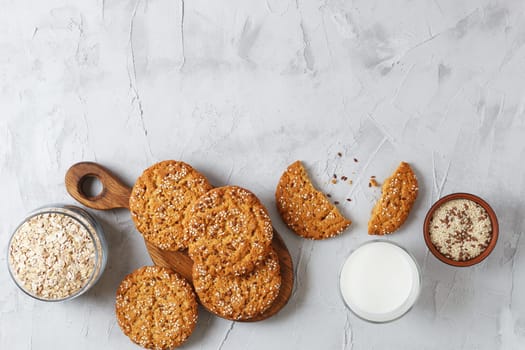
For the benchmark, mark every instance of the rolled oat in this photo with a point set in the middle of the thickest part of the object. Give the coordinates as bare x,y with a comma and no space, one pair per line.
52,256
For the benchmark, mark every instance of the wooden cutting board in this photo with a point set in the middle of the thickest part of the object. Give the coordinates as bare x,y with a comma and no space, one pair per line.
115,194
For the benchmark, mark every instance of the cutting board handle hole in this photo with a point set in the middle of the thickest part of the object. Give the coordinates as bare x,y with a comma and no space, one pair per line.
91,186
96,187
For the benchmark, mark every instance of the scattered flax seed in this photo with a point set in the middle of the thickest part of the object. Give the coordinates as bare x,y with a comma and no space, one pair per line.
328,195
335,176
348,200
336,202
373,182
52,256
355,160
339,154
344,178
460,229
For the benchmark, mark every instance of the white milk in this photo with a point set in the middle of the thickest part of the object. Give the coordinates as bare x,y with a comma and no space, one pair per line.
379,281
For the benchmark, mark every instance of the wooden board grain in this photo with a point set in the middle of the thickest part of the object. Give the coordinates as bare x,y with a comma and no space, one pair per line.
115,194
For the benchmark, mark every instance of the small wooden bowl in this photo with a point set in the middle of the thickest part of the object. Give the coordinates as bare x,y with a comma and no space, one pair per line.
493,220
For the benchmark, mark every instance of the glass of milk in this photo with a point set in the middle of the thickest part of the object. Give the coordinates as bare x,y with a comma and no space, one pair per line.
380,281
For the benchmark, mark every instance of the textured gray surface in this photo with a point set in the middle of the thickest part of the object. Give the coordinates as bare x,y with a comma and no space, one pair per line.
240,89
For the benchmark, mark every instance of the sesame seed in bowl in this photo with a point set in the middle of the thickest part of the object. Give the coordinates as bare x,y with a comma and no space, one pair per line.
461,229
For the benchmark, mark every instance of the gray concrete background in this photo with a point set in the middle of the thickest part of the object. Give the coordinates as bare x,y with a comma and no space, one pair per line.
240,89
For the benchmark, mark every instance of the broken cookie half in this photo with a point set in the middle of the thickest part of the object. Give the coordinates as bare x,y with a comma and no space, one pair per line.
305,209
398,194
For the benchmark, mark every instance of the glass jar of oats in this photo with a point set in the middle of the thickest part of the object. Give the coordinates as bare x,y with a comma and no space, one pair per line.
57,253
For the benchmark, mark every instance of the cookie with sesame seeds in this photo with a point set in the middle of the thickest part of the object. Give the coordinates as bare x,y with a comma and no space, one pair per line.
304,209
156,308
398,194
159,200
229,229
239,297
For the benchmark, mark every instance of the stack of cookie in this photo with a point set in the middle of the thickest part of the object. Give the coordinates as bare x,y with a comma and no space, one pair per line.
227,233
236,272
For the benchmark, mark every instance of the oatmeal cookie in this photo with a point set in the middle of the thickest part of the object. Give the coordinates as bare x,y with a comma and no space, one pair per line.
239,297
229,229
159,200
156,308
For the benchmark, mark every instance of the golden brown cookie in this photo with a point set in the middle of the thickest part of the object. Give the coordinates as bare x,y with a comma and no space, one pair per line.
230,230
239,297
304,209
156,308
159,200
398,194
